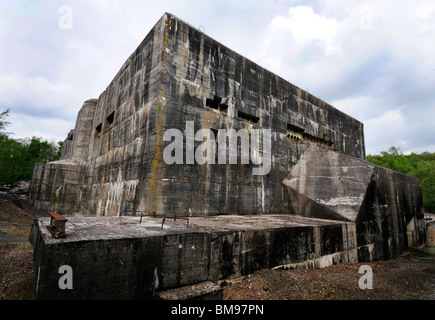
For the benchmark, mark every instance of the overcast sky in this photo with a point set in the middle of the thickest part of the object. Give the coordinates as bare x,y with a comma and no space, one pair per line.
374,60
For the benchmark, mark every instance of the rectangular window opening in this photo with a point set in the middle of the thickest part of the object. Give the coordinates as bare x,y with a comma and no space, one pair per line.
296,129
109,121
208,102
98,130
318,140
111,117
248,117
223,107
213,103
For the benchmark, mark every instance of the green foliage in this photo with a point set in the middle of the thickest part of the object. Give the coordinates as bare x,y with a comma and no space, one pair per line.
421,166
18,156
3,123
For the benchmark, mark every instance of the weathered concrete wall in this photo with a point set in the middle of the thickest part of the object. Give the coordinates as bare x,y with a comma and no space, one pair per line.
107,263
83,132
114,137
392,216
121,154
430,241
198,70
120,258
66,152
179,74
240,252
386,206
57,186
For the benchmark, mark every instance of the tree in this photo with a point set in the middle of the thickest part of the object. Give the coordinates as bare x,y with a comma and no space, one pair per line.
11,161
18,156
425,171
3,123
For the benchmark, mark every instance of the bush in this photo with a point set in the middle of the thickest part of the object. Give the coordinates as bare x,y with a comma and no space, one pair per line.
18,156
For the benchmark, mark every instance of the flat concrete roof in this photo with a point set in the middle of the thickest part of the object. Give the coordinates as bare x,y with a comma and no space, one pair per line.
127,227
255,222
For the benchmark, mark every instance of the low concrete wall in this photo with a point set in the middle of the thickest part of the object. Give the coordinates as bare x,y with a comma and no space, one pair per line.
120,258
110,264
430,240
242,245
57,186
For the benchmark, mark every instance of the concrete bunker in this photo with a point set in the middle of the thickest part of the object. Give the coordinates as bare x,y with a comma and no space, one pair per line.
320,204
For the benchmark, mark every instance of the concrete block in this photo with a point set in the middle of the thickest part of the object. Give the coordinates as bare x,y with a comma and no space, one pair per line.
430,240
118,258
385,205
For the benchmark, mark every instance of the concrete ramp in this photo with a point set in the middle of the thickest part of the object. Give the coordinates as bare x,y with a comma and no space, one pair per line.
328,185
386,205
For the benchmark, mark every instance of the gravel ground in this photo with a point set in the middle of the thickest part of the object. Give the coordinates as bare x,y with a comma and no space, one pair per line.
411,277
16,265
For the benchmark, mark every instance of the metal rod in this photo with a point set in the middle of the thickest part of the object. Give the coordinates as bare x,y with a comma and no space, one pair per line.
154,215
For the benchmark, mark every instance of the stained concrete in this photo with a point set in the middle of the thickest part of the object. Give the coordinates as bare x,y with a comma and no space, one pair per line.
123,258
118,258
113,159
386,206
321,203
430,241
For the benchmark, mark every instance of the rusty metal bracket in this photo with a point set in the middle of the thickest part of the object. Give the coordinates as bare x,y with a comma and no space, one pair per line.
163,221
154,215
184,218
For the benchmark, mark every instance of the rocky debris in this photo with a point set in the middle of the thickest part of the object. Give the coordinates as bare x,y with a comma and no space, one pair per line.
19,188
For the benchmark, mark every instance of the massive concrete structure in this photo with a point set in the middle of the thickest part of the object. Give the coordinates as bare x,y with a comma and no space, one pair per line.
318,203
113,160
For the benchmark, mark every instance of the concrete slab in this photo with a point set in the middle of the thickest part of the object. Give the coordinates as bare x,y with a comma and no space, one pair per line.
109,228
123,258
223,223
118,258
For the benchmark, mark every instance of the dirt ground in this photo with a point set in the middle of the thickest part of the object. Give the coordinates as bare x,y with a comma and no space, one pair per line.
411,277
16,264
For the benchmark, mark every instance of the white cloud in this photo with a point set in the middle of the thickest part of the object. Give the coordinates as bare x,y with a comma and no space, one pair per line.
48,128
306,26
36,90
360,107
368,60
422,11
385,131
